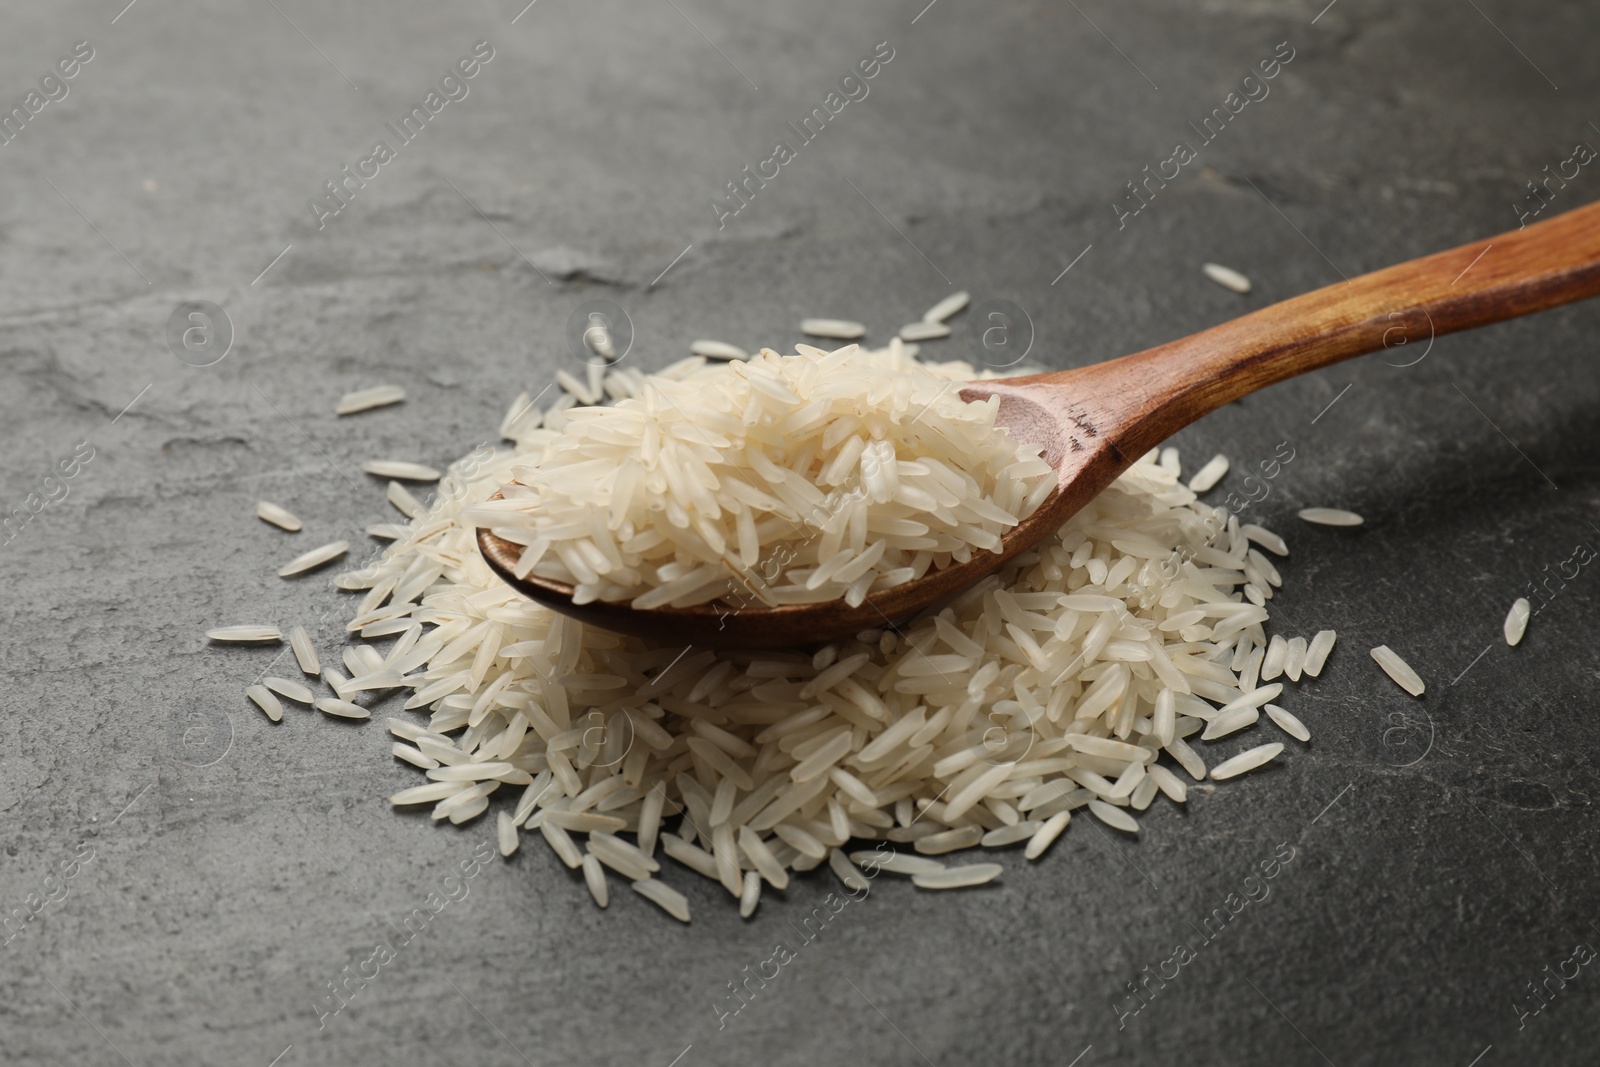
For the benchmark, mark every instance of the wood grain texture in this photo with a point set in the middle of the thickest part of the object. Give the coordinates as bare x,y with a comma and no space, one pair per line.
1093,422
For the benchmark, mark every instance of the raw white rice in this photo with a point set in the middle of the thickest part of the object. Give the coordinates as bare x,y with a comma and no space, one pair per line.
1516,623
394,468
413,756
1069,679
308,561
924,331
750,894
1046,835
1330,517
670,900
896,862
717,350
594,876
1277,653
947,308
1246,761
644,502
506,834
1113,816
1226,277
1265,538
577,388
342,709
1294,658
366,399
304,654
278,516
957,877
1317,652
1399,670
247,635
403,500
1288,723
293,690
841,329
1230,722
266,702
1208,476
846,871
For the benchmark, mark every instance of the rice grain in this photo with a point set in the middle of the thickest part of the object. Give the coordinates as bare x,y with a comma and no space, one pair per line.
1330,517
1399,670
1516,623
366,399
278,516
1226,277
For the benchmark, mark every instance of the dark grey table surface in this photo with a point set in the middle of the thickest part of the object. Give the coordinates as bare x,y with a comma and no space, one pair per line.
197,876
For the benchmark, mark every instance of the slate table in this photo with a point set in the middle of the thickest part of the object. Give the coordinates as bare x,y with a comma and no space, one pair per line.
184,879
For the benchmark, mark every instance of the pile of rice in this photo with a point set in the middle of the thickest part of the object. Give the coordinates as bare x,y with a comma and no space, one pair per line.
1070,681
791,479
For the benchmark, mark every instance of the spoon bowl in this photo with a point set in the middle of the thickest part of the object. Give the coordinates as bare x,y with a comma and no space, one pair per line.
1092,423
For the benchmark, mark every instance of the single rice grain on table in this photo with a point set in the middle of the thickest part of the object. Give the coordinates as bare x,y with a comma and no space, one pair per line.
366,399
244,634
279,516
924,331
1399,670
837,329
310,561
1226,277
1330,517
1516,623
947,308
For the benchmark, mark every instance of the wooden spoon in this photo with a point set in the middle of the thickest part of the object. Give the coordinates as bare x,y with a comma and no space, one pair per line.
1092,423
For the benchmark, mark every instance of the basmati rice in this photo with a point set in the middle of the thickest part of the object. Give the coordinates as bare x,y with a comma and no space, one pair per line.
1246,761
1226,277
750,894
1516,623
1399,670
304,654
1113,817
266,702
293,690
1208,476
668,899
276,515
947,308
924,331
244,634
394,468
1288,723
1330,517
642,502
367,399
1068,679
841,329
342,709
594,876
717,350
1317,652
506,834
957,877
310,561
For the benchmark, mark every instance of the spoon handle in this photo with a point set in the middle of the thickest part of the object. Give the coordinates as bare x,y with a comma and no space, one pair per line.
1521,271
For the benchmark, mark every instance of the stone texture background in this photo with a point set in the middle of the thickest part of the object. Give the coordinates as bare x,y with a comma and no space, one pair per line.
1445,848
